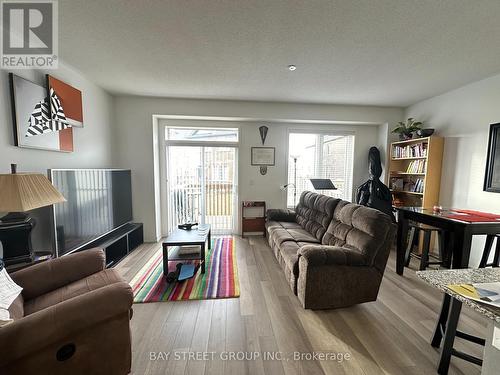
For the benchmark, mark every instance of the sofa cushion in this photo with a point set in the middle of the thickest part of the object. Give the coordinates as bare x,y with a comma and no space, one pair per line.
82,286
314,213
318,255
289,253
289,225
277,214
358,228
280,235
271,225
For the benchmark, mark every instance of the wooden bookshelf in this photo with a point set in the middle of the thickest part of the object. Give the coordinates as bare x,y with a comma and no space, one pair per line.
416,160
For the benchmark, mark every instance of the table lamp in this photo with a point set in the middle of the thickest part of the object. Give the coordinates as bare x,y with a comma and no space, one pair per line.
19,193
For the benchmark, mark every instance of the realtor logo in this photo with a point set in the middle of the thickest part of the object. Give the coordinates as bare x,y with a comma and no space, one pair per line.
29,34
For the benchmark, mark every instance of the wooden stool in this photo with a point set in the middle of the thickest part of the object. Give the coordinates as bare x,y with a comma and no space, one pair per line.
444,259
487,249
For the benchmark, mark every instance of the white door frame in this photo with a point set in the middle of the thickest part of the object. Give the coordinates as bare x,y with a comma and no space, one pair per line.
163,155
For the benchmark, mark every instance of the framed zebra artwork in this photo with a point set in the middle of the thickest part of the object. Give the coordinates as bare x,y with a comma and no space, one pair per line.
38,117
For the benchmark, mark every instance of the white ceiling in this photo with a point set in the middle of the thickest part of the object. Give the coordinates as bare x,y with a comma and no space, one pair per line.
370,52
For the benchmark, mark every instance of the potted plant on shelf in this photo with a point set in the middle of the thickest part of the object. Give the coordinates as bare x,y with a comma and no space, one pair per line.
406,129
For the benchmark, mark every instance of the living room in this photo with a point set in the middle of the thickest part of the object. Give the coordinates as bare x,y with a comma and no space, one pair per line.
160,215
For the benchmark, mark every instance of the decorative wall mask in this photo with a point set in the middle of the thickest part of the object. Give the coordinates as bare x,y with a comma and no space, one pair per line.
263,133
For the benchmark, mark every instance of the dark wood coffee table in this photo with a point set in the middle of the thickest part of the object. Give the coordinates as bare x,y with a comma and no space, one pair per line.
197,236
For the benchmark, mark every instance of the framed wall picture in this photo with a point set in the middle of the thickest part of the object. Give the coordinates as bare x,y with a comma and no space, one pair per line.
34,125
492,176
263,156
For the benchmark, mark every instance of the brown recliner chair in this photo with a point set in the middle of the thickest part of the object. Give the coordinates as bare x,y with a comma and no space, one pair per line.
71,318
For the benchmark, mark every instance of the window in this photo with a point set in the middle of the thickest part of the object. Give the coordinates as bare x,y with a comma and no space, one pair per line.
202,134
319,156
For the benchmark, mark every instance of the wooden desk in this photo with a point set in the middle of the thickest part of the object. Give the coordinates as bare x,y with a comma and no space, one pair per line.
458,234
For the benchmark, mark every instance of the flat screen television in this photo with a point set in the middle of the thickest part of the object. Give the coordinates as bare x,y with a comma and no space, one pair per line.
97,202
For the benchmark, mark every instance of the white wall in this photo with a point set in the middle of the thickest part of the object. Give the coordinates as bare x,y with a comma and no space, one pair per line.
463,117
135,140
93,144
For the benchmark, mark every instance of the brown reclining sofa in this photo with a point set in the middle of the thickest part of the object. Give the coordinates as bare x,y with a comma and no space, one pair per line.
72,318
333,252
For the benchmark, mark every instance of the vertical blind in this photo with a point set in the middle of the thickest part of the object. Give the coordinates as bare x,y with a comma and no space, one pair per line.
319,155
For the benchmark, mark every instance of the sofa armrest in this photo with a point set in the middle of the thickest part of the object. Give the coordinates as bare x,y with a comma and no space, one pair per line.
318,255
44,277
279,214
57,324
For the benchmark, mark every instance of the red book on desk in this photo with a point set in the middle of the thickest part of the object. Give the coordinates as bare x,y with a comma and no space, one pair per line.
472,216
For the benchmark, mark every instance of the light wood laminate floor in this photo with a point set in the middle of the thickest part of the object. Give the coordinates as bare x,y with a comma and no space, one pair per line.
389,336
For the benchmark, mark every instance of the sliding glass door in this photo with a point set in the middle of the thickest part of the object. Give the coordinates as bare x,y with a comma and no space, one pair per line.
201,183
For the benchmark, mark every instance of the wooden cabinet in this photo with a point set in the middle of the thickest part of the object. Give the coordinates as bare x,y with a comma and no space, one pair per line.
253,217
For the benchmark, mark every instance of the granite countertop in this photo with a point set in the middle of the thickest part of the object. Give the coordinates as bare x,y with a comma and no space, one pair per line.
441,278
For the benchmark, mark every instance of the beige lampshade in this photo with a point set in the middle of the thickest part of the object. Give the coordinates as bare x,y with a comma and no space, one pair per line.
21,192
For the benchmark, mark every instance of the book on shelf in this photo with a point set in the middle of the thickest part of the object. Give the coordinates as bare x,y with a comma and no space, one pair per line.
416,166
419,186
418,150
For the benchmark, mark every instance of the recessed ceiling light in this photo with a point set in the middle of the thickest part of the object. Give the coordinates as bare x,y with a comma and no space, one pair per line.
291,68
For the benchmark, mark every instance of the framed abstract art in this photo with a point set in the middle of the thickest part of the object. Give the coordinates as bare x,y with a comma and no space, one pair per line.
38,117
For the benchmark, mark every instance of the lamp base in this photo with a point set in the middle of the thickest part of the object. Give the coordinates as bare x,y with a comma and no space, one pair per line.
15,217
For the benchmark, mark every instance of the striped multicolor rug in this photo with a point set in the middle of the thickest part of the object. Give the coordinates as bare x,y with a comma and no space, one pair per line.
220,279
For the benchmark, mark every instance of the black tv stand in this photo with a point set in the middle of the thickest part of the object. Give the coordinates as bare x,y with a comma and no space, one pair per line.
119,243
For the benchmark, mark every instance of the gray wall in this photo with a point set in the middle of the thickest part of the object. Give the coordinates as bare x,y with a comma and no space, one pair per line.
463,117
93,144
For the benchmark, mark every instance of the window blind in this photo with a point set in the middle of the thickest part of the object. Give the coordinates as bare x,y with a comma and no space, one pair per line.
319,155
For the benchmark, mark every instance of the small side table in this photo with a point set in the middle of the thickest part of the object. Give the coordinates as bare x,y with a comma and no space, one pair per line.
253,223
179,237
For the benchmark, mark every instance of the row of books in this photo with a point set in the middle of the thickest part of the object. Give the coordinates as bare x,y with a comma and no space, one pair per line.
416,166
410,151
418,187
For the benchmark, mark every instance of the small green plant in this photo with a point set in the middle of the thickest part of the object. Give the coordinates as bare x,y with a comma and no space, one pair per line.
406,129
